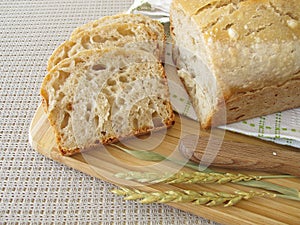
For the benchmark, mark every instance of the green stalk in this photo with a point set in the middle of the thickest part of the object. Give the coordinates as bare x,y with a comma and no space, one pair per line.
154,156
277,176
271,187
289,197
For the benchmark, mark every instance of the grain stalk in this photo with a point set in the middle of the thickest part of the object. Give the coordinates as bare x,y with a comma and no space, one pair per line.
185,177
189,196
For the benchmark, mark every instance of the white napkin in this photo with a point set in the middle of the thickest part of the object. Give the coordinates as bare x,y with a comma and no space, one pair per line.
282,127
155,9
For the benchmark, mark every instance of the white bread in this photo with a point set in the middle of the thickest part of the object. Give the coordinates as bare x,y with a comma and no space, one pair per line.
240,54
112,35
154,25
101,96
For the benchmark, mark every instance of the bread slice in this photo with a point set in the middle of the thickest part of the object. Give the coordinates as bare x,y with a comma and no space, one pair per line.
154,25
101,96
112,35
238,59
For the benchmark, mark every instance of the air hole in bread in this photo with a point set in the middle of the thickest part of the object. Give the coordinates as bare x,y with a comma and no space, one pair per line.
123,79
89,107
128,88
121,101
85,41
98,39
56,85
228,26
97,121
65,121
154,114
99,67
78,61
135,124
61,96
63,76
69,107
125,32
111,98
106,92
111,82
60,79
123,69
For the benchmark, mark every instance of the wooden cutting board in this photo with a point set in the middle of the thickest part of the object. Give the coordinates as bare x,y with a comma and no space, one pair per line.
103,163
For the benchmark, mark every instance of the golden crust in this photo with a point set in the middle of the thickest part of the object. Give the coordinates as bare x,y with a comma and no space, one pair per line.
265,101
124,18
85,40
111,140
244,20
268,100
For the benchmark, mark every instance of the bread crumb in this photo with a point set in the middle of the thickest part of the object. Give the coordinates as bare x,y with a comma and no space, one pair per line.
292,23
232,33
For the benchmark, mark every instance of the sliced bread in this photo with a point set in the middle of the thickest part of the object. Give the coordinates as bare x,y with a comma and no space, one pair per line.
112,35
101,96
154,25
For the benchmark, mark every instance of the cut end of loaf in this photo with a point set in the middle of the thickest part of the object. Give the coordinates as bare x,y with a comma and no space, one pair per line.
249,48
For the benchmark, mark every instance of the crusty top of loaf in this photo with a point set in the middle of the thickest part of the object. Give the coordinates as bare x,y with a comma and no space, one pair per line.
245,20
248,44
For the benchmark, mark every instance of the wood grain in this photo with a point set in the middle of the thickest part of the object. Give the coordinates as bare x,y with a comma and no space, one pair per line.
242,155
104,162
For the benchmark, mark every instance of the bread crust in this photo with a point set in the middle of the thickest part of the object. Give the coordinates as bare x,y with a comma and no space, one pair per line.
249,46
69,152
156,26
87,39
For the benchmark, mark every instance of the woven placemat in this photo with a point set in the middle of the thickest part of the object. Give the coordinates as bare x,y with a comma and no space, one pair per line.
33,188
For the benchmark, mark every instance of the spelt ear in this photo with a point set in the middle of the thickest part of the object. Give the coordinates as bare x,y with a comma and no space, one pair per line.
100,96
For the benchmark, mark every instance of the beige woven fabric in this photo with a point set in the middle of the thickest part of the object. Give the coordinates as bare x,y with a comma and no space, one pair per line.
34,189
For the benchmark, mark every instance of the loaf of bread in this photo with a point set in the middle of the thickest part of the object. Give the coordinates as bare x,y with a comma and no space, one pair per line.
238,58
101,96
154,25
113,35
